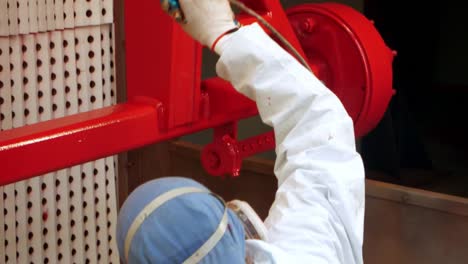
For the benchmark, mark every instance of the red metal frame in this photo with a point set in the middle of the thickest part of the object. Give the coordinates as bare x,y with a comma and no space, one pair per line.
166,99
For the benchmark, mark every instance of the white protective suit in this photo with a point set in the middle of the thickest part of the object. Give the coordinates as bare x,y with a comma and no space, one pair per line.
318,214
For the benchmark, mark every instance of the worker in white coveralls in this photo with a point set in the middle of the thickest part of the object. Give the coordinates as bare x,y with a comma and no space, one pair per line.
318,214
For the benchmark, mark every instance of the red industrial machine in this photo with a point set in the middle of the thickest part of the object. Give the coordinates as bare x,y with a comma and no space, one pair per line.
168,99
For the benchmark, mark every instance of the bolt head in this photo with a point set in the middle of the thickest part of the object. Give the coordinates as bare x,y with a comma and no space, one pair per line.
309,25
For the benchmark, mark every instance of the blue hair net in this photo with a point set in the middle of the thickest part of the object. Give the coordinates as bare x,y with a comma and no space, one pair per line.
174,231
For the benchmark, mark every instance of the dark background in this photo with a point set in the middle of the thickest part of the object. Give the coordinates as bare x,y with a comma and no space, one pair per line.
422,139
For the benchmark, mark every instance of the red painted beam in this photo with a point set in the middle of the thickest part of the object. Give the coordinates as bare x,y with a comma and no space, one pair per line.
56,144
48,146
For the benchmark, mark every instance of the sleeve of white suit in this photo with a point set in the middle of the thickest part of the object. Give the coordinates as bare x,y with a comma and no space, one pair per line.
318,212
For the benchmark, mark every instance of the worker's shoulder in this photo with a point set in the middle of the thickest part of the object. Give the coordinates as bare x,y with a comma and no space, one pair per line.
261,252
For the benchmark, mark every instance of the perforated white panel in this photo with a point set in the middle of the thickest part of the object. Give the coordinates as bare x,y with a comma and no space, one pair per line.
20,199
7,247
33,16
23,16
12,17
4,30
66,216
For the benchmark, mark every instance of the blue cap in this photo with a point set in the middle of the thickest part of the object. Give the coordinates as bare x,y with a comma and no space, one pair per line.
179,227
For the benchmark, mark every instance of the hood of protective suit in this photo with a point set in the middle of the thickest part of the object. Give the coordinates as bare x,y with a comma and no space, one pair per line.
179,227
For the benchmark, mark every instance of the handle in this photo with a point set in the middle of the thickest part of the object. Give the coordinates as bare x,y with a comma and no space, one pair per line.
172,7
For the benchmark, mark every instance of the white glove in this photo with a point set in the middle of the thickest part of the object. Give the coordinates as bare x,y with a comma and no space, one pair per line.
207,20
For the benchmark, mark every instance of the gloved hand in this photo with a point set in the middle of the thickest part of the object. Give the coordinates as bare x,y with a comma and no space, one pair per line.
207,20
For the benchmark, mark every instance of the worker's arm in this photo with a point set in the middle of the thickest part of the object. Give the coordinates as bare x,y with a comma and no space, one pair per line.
317,216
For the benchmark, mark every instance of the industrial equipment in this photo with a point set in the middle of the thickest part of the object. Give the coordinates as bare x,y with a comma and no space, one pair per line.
168,99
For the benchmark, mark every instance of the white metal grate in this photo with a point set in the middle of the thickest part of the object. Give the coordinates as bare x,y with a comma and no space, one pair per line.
66,216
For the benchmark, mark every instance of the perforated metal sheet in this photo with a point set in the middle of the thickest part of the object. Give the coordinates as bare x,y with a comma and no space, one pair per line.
66,216
32,16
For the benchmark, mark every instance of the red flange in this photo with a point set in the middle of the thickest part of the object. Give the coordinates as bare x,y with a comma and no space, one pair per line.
222,157
347,53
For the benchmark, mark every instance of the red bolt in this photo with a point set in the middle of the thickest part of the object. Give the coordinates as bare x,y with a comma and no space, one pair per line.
235,173
309,25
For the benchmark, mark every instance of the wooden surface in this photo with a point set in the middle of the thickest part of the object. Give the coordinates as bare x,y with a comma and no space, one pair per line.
402,225
147,163
403,233
410,196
